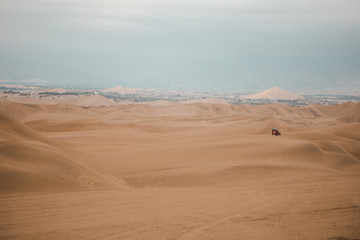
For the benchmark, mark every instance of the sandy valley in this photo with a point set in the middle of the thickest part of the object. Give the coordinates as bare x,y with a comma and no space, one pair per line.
198,170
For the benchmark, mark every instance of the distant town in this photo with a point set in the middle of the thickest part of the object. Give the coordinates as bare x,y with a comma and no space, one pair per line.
135,95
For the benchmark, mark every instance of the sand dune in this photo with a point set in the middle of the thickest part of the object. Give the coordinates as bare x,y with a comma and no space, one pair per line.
30,161
275,93
79,100
87,101
194,170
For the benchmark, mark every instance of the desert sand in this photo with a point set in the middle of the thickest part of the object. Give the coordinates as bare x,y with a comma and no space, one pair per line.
275,93
200,170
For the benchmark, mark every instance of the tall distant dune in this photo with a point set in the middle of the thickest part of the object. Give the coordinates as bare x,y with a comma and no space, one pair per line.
275,94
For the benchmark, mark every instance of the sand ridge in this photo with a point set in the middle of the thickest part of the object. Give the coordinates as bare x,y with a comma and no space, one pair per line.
195,170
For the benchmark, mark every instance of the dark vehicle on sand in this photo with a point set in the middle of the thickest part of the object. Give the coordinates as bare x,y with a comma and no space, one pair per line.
275,132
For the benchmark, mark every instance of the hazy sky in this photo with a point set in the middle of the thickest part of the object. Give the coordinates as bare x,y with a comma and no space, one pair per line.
200,44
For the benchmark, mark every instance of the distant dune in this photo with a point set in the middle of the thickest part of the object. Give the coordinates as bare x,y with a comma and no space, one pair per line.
187,170
81,100
87,101
122,90
168,103
275,94
54,90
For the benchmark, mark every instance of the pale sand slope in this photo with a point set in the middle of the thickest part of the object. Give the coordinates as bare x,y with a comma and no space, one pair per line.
275,93
179,171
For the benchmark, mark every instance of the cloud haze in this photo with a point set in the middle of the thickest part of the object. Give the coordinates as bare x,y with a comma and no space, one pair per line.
182,44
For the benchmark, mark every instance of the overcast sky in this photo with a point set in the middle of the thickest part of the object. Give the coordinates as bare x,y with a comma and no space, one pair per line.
198,44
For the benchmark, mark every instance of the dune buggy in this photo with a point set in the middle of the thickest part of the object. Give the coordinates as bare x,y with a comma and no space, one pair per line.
275,132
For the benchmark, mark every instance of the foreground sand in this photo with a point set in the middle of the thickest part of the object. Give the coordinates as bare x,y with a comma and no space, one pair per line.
179,171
